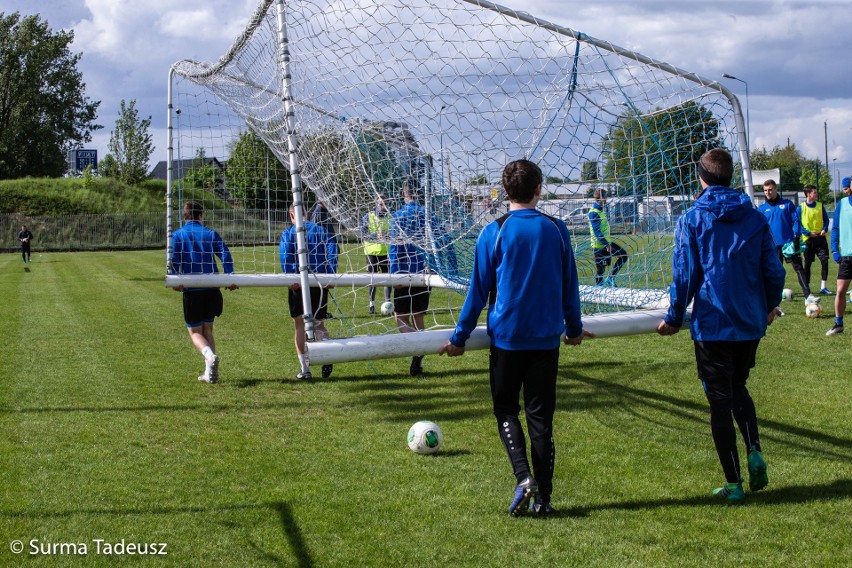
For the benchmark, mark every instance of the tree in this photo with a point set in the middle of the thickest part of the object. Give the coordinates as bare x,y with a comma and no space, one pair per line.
796,170
43,107
656,153
203,173
255,174
131,144
809,175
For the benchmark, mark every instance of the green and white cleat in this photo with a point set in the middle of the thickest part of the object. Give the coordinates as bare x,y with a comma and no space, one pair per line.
732,493
757,477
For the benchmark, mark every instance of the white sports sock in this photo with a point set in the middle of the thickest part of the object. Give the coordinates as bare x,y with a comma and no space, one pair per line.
208,355
823,285
303,361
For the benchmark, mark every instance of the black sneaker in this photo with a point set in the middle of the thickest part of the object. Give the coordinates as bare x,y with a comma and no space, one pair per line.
326,371
539,509
372,310
416,368
304,376
525,491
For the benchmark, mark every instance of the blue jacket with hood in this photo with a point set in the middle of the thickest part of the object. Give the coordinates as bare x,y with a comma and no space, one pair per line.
725,262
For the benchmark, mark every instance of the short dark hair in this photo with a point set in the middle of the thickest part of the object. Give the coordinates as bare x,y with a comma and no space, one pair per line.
716,167
769,182
192,210
808,189
521,178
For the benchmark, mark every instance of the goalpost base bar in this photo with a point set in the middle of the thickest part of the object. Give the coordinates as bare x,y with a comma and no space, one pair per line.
428,342
219,280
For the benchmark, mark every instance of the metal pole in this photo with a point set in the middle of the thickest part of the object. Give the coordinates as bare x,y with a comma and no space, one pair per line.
295,175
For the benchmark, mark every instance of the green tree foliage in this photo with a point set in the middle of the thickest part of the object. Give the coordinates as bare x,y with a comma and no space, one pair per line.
255,174
655,153
796,170
203,173
131,145
43,107
809,177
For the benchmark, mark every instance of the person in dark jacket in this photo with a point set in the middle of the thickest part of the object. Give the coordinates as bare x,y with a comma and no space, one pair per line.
524,270
725,263
784,224
25,236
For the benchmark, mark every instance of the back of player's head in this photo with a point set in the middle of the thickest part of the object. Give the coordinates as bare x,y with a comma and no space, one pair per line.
192,211
716,167
521,180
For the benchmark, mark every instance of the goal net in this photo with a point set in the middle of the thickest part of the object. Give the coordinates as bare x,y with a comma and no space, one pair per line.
341,106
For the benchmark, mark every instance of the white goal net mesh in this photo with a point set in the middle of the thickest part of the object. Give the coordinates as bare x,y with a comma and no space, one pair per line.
438,95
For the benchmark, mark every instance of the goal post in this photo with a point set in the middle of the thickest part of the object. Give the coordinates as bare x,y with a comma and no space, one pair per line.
351,111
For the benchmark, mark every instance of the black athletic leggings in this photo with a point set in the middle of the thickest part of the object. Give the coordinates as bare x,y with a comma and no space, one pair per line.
535,372
723,367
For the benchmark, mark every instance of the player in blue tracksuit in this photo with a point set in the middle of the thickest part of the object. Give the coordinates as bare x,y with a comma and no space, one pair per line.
322,259
194,251
841,249
784,223
725,263
524,271
408,226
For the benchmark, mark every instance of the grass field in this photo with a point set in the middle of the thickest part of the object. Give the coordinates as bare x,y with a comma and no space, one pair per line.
105,435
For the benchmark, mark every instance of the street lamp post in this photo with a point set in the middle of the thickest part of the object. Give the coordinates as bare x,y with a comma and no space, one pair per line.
748,120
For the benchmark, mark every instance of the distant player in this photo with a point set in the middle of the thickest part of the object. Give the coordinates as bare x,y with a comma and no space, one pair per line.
784,224
322,259
524,271
724,263
409,302
375,229
813,223
26,237
194,251
841,248
605,248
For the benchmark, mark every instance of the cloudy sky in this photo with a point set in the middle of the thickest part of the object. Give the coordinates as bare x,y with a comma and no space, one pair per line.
795,55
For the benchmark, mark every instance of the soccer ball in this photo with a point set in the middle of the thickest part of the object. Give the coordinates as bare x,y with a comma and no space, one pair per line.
387,309
787,294
813,310
425,437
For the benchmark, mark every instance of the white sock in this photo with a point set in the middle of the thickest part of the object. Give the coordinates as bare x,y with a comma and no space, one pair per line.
823,285
303,361
208,355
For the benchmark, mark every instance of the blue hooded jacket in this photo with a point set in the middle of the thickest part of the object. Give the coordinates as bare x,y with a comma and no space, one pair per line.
725,262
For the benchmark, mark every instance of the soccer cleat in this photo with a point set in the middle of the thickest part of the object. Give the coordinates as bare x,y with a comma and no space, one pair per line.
609,282
372,310
304,376
540,509
757,478
205,378
214,369
811,299
825,291
731,492
835,330
525,491
416,368
326,371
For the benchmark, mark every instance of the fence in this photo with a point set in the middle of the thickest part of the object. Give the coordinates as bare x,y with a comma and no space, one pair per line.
129,231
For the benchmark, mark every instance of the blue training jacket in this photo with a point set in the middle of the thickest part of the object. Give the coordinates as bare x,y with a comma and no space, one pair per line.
842,208
725,262
195,248
322,250
409,223
783,219
529,264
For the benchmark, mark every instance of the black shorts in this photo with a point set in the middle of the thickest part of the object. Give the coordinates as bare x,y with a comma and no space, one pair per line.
25,247
411,299
319,302
201,306
844,271
378,263
723,364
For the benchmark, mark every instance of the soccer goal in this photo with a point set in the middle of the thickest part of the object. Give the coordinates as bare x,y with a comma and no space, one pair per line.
341,105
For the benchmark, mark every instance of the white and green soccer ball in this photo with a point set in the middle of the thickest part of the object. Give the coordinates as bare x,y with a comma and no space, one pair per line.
813,310
787,295
425,437
387,309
